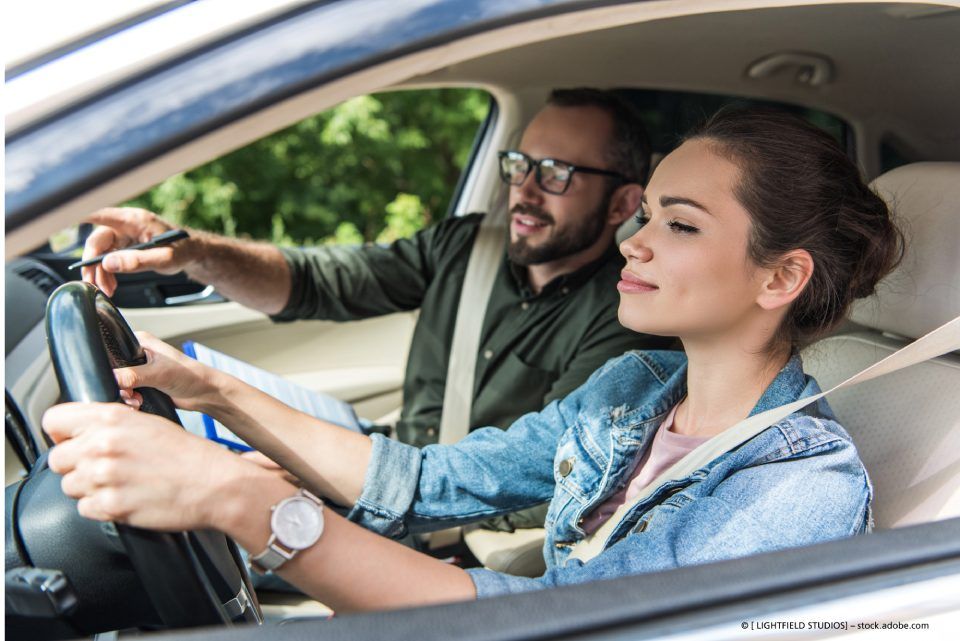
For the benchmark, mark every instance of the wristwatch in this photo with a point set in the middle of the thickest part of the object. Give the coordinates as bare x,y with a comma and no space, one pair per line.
296,523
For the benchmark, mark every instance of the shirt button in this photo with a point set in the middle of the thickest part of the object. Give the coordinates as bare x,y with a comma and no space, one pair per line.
524,305
565,291
566,466
431,431
488,354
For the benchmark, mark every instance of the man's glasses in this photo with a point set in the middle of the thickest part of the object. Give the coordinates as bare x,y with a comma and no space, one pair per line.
552,175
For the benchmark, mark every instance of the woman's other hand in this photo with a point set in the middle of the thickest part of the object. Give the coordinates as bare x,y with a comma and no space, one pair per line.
190,384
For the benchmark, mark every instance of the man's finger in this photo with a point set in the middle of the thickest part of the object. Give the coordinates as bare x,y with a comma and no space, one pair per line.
129,221
101,240
139,260
104,280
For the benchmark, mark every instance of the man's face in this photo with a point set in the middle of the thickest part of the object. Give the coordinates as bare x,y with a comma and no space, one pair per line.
545,227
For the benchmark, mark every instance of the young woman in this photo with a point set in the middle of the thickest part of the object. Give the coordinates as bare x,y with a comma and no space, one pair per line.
757,233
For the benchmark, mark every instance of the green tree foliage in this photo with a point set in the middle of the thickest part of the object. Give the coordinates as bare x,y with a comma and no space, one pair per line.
374,168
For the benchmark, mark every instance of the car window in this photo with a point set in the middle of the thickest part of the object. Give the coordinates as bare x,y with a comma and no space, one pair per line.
372,169
669,114
893,154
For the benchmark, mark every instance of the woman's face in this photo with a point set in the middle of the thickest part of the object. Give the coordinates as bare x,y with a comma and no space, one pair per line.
687,271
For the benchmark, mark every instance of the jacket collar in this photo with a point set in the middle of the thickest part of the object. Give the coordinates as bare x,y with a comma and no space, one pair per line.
670,368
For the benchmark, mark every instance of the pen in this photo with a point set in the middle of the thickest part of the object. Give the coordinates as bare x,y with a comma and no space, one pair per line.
165,238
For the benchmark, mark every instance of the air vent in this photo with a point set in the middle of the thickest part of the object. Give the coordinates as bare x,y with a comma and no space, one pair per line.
45,279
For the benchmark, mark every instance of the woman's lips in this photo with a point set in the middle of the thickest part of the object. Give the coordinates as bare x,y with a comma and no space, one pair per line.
630,284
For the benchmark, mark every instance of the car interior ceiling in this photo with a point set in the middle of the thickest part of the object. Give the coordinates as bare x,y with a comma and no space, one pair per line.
712,54
663,69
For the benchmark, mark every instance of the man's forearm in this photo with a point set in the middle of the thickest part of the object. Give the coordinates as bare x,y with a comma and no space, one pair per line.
251,273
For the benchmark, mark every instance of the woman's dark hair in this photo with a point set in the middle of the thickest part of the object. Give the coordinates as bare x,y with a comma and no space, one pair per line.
803,192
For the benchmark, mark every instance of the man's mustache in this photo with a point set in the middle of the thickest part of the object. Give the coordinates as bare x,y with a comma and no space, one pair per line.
533,211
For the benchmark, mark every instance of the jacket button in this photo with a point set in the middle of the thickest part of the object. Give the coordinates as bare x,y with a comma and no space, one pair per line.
566,466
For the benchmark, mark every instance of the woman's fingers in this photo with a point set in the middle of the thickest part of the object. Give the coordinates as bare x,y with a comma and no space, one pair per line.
132,398
69,420
136,468
151,343
159,371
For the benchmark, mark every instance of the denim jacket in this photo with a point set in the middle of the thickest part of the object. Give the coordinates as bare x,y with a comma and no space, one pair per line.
798,482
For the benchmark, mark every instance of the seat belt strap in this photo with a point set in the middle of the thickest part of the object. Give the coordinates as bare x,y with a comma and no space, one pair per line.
943,340
482,267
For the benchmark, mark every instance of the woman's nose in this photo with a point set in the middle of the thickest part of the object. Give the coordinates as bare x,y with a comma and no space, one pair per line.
636,248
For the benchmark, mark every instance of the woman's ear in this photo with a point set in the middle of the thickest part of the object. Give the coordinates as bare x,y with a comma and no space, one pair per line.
624,202
784,282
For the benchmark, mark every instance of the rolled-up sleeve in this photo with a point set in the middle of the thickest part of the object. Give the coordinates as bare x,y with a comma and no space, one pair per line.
389,487
488,473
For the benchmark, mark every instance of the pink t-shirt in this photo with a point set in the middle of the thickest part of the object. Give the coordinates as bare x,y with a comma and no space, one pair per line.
666,449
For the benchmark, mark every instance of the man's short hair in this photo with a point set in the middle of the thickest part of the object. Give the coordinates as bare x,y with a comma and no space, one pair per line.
629,147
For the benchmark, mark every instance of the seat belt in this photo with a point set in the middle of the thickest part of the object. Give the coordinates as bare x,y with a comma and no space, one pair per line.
482,267
942,340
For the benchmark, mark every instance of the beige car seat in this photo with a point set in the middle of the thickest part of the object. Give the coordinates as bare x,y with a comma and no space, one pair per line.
906,425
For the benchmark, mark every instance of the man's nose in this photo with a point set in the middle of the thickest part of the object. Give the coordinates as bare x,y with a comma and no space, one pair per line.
529,190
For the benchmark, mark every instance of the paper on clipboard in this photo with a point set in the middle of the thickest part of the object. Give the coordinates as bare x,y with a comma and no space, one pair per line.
316,404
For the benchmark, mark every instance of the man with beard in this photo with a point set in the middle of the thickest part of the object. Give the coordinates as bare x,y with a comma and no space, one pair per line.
551,319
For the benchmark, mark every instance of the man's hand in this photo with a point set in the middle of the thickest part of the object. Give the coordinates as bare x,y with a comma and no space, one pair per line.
122,227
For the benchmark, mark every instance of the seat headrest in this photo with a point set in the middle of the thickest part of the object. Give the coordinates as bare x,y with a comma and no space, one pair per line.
924,291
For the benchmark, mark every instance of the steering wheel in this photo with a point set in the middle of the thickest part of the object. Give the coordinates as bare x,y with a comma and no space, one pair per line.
190,578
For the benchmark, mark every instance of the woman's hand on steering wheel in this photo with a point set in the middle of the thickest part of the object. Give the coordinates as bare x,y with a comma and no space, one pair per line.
135,468
190,384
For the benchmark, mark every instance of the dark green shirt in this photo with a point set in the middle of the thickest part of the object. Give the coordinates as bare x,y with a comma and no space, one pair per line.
533,348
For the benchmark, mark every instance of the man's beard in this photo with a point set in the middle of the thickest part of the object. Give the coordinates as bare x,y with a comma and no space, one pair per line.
564,242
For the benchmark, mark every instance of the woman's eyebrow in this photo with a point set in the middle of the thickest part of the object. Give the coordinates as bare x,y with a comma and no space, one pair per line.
666,201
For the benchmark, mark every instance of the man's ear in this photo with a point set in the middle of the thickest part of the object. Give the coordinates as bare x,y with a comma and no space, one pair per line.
624,203
783,283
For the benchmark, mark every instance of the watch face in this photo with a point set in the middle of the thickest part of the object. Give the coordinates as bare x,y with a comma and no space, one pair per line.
297,522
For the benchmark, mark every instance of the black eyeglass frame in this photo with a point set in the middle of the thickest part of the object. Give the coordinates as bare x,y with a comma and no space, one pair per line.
535,165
